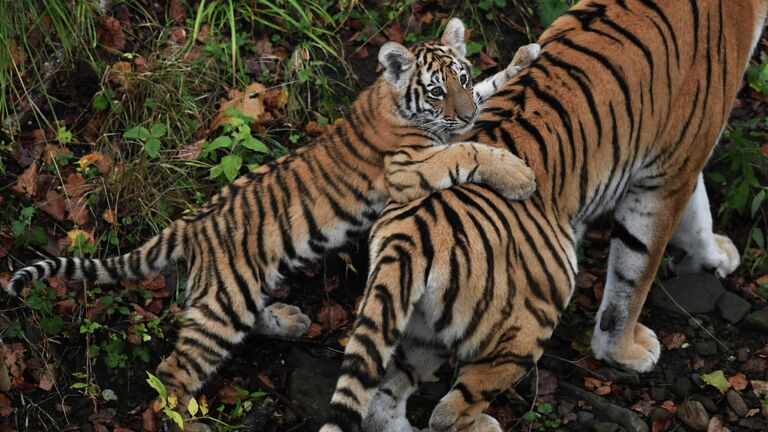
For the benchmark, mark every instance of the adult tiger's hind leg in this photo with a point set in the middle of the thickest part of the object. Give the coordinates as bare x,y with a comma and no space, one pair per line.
416,360
705,251
643,223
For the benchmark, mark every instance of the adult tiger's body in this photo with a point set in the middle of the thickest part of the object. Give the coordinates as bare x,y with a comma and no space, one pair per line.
619,113
290,212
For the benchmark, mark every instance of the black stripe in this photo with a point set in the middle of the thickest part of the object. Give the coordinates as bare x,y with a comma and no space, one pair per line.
633,243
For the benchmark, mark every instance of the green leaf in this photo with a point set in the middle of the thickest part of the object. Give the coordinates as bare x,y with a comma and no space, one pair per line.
52,325
529,416
550,10
192,407
108,395
79,385
152,147
757,202
473,48
216,171
159,387
739,196
176,417
138,132
757,237
220,142
544,408
717,380
157,130
255,145
100,102
231,165
39,236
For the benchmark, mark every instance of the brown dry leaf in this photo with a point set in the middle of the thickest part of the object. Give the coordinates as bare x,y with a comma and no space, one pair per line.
122,429
6,407
643,407
110,34
29,148
314,332
276,97
738,381
228,395
77,209
58,285
762,280
395,33
26,183
5,378
178,36
72,235
190,152
661,423
76,186
764,148
53,205
266,380
52,151
249,102
47,380
177,11
313,129
154,283
150,420
332,315
140,64
485,61
331,283
669,406
119,73
65,307
673,340
13,357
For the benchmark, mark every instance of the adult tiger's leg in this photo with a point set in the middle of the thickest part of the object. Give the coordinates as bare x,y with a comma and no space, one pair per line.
461,410
643,223
417,358
705,251
280,319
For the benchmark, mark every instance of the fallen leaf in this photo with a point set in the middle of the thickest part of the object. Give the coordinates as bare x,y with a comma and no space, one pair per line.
228,395
484,61
29,148
150,420
26,183
58,285
249,102
669,406
190,152
717,380
110,34
77,186
120,73
738,381
661,423
276,97
764,148
53,205
177,11
72,235
394,32
13,358
314,332
267,381
6,407
77,209
109,216
52,151
759,388
673,340
332,315
47,380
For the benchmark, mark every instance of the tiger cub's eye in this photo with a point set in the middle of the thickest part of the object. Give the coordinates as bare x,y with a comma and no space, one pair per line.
436,92
464,79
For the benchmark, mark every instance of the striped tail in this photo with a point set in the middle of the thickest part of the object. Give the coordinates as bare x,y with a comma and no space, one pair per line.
151,257
394,286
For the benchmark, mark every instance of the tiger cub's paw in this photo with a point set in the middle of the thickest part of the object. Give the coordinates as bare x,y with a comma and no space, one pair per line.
284,320
486,423
508,175
523,57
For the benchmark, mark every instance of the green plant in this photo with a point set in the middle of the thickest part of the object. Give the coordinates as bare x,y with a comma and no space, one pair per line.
150,137
540,416
234,148
757,76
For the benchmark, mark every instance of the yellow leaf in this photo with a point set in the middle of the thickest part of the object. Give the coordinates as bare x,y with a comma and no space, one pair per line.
203,405
75,233
343,341
88,160
717,379
173,401
249,103
192,407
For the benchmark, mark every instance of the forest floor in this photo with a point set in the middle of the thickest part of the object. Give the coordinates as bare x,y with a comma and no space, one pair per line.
109,135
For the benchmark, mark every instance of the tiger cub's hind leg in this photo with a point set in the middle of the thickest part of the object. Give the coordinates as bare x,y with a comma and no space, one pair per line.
705,251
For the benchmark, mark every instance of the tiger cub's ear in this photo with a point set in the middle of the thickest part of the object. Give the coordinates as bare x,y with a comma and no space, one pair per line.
398,63
453,36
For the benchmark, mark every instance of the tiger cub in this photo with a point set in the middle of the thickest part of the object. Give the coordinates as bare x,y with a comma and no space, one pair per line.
392,144
618,114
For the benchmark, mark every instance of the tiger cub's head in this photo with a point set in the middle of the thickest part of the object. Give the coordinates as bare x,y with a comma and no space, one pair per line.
432,81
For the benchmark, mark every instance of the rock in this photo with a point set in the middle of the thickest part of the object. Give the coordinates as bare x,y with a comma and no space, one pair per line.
757,320
732,307
694,293
715,425
742,355
682,386
693,414
697,381
619,376
705,401
311,383
736,403
754,423
658,394
605,427
585,417
707,347
606,410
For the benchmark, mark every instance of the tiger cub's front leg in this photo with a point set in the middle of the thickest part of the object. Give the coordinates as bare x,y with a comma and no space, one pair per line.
523,57
412,173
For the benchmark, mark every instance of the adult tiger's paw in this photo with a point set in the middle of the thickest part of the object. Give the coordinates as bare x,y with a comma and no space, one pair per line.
639,353
723,259
508,175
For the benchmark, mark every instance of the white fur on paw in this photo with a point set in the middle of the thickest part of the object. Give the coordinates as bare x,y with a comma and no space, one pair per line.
290,321
731,260
724,258
641,356
486,423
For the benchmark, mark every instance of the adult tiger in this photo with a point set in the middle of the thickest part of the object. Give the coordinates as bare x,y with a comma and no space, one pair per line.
290,212
620,112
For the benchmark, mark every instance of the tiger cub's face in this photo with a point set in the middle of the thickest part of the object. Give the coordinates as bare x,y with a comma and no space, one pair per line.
432,82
